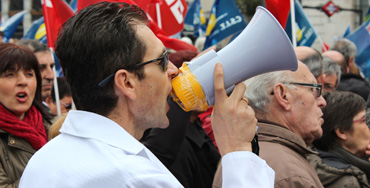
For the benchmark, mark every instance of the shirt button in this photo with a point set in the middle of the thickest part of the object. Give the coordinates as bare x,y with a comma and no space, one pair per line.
12,141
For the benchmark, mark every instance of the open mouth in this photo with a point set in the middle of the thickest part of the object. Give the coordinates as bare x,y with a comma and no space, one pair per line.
21,97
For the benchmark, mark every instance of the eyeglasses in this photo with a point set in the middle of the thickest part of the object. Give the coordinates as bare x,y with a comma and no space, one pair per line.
163,59
362,120
317,87
67,106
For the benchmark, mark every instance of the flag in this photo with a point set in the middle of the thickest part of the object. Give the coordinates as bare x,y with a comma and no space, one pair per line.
324,47
361,38
168,42
347,32
280,10
37,28
169,16
195,21
305,33
224,21
55,12
73,5
10,26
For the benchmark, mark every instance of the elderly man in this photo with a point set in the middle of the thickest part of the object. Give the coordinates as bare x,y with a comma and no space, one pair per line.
120,79
313,59
46,63
332,73
288,108
348,81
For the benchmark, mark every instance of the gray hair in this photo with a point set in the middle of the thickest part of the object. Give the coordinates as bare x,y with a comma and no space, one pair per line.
34,45
331,67
314,63
346,47
259,89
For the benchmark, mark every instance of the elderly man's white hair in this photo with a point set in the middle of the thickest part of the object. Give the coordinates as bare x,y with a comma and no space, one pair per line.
260,88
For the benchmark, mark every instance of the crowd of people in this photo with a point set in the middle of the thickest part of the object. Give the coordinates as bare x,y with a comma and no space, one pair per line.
307,128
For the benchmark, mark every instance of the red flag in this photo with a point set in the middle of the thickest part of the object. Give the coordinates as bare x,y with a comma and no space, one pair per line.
325,47
172,43
170,15
55,12
280,9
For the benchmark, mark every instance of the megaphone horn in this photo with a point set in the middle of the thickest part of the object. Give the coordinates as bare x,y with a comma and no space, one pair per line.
261,47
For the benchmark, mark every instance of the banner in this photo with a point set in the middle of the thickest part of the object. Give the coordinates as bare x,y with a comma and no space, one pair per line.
10,26
195,21
224,21
305,33
361,38
175,44
169,15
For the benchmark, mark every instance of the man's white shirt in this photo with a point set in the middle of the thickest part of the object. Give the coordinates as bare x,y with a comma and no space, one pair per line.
94,151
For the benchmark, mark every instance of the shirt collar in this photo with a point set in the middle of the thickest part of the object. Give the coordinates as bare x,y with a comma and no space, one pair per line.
90,125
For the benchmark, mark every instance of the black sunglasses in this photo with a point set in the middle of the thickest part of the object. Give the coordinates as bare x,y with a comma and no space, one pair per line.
318,87
163,59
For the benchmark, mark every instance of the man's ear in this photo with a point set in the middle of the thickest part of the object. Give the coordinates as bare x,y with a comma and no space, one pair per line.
125,83
341,134
282,96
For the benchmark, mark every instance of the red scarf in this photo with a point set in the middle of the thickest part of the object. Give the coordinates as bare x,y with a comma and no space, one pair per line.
31,128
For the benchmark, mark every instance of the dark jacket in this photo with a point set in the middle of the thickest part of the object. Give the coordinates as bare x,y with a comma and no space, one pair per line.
334,171
355,84
185,149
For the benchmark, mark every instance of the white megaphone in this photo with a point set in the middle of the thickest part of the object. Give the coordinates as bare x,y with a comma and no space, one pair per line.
261,47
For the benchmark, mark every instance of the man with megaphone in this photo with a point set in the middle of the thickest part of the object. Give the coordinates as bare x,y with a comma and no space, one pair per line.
120,79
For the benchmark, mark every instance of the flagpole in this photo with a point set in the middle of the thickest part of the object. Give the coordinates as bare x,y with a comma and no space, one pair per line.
292,16
158,11
55,85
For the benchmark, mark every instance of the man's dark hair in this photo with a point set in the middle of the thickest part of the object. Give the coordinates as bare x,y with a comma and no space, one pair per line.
341,107
95,43
63,88
34,45
314,63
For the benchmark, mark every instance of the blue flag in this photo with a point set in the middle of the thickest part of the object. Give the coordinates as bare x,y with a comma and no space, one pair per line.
305,33
347,32
73,5
195,21
361,38
10,26
224,21
36,26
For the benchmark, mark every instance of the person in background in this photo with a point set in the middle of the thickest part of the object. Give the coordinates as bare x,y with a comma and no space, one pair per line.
46,64
23,120
65,96
122,93
342,159
332,74
313,59
349,81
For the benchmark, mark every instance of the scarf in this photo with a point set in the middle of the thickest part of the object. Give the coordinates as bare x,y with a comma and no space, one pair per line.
31,128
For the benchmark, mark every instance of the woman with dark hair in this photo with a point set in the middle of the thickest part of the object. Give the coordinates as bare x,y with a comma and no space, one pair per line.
22,116
342,159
